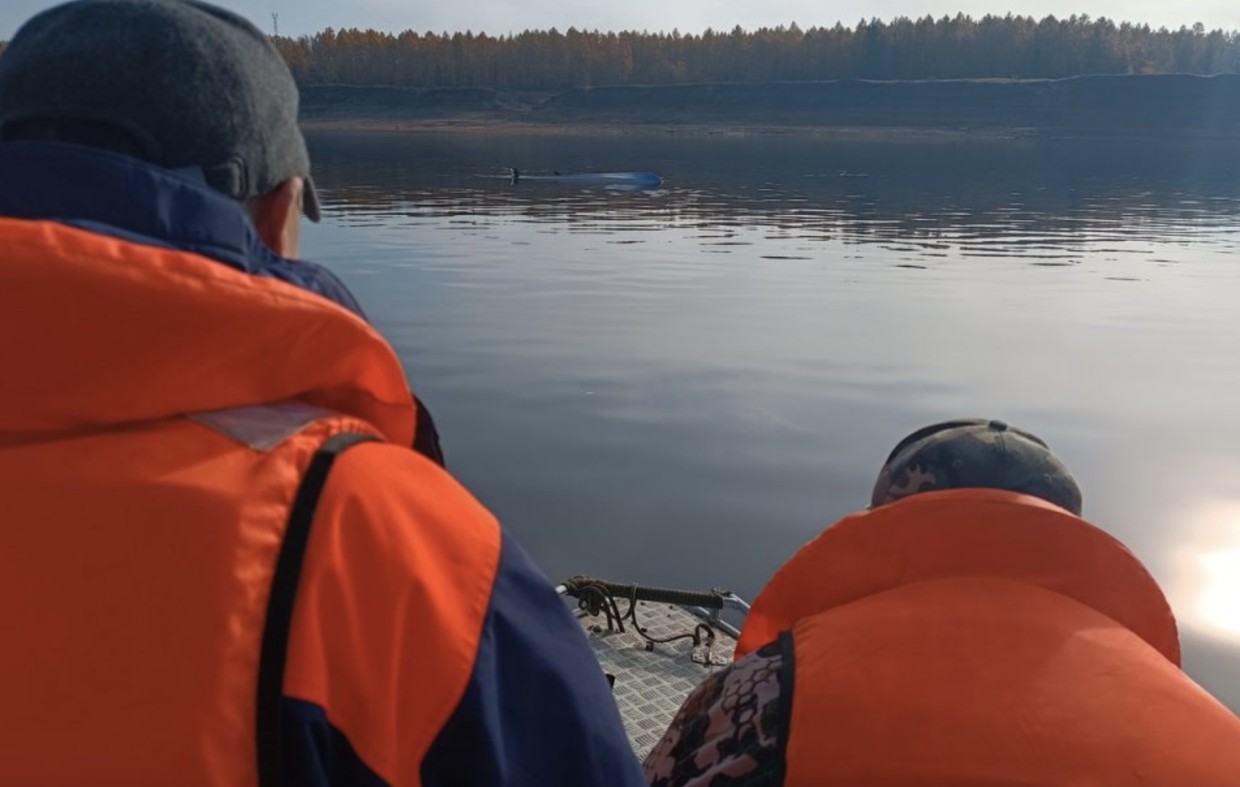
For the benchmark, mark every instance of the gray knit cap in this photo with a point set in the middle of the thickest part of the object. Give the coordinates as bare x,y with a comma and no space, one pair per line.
196,85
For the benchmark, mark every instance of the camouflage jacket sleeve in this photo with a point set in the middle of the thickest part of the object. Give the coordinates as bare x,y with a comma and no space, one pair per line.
728,731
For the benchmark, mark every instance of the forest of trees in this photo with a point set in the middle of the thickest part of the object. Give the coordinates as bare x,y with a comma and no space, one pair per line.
926,48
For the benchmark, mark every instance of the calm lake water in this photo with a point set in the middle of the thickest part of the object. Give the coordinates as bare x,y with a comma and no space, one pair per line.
682,386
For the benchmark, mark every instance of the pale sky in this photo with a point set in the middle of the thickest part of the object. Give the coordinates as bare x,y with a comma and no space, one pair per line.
299,17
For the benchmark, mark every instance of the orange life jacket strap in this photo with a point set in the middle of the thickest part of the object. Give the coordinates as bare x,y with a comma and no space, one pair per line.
274,653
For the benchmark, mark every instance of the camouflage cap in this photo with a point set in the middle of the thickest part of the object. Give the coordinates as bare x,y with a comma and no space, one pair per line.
975,453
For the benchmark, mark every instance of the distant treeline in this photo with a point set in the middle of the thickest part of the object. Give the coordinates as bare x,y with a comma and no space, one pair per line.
927,48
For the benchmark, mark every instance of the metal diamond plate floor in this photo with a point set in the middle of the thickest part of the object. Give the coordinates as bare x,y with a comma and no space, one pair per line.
651,684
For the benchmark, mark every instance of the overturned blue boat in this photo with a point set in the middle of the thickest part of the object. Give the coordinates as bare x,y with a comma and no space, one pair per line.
628,180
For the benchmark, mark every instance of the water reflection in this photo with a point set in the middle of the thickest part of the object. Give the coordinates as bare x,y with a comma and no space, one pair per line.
682,386
1211,568
1039,200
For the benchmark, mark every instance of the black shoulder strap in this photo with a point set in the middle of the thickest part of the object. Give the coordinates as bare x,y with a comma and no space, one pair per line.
280,606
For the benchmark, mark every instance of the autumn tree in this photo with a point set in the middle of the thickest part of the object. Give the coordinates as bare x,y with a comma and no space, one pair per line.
950,47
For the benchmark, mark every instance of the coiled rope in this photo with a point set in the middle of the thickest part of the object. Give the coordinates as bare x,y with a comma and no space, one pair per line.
597,596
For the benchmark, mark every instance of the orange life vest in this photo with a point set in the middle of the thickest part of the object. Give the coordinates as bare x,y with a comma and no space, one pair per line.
974,637
163,420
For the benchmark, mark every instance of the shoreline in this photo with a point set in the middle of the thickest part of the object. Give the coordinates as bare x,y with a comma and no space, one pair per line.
887,134
1178,106
586,128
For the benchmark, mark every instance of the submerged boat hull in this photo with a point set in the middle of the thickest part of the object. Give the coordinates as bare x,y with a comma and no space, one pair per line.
630,180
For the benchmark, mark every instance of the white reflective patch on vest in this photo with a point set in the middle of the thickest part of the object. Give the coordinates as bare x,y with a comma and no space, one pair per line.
263,426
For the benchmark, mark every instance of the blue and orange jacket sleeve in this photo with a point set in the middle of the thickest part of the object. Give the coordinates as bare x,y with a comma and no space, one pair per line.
538,710
427,649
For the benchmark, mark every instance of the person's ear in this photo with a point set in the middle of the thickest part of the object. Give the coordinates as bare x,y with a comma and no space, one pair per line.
277,215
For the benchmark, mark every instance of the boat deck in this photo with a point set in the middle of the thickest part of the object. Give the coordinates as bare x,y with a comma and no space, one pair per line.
650,684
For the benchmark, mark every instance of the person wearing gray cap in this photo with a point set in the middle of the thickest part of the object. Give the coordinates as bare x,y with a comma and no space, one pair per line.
968,627
234,556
